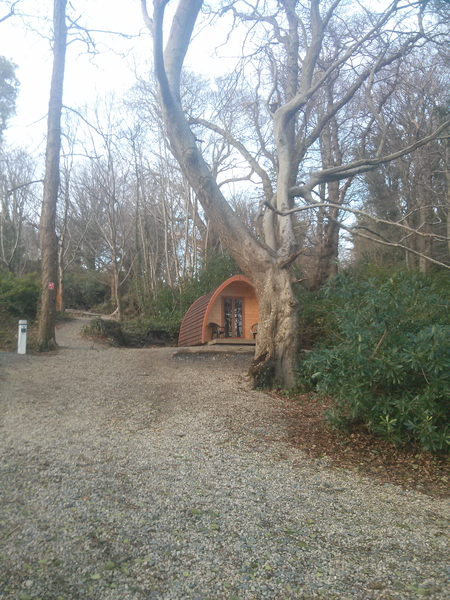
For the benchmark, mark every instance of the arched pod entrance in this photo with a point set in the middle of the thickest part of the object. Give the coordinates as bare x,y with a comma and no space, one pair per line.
227,314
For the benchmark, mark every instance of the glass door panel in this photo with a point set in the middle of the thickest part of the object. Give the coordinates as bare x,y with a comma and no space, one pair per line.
228,317
233,317
238,318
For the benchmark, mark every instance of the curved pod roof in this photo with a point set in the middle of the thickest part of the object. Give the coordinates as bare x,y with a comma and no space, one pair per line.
195,328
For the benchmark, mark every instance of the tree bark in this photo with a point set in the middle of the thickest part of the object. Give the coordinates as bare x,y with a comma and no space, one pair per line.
48,239
329,243
327,261
277,345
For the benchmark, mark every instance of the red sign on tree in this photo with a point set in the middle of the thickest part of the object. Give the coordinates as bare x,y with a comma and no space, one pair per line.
51,285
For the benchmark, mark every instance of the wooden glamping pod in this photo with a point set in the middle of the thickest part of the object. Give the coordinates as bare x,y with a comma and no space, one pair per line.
227,315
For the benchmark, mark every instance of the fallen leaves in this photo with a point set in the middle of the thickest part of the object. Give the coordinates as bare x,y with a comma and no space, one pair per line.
359,450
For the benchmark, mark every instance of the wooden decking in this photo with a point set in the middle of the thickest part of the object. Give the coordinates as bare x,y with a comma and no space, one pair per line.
232,342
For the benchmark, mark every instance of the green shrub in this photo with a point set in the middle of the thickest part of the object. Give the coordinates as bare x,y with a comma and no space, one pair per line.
389,365
317,321
106,329
138,329
19,295
84,289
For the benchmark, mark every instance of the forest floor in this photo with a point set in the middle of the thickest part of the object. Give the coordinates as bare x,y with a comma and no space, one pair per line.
359,450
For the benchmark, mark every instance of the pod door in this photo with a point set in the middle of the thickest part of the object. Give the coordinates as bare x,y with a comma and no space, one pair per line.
233,311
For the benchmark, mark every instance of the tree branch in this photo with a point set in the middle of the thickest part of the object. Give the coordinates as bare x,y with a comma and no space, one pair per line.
354,230
18,187
11,11
147,19
367,164
267,184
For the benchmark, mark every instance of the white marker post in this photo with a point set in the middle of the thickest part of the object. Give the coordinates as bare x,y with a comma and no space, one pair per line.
22,340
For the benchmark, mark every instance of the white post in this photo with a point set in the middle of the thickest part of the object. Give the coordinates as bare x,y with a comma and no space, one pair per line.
22,340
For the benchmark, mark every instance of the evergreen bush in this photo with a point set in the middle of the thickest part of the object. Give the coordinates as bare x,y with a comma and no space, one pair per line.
19,295
317,322
389,363
106,329
84,289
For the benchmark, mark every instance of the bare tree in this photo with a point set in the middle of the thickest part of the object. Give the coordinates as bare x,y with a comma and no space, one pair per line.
292,36
412,191
18,210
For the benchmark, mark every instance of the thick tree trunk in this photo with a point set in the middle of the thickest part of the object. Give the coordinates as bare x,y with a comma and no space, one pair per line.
277,341
49,243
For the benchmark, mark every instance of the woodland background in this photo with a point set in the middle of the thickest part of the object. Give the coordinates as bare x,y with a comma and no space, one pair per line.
372,278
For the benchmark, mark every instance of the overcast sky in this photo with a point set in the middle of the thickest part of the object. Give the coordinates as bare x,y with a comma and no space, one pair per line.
25,42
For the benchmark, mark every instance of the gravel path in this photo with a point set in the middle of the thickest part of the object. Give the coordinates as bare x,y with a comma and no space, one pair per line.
133,474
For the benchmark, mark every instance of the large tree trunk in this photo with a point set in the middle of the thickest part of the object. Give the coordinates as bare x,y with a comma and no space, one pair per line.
48,239
277,342
276,350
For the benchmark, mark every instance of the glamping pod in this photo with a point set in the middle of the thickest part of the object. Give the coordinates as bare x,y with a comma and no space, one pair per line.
228,314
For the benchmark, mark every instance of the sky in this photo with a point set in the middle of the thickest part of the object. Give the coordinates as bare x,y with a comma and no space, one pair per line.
25,41
87,76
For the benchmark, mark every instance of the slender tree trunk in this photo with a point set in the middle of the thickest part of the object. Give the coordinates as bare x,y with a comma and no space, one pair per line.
62,243
49,243
117,293
116,261
139,280
327,265
166,246
426,242
194,238
187,259
173,242
60,290
426,217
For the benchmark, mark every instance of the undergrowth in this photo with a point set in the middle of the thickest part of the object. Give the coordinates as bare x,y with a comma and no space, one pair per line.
388,363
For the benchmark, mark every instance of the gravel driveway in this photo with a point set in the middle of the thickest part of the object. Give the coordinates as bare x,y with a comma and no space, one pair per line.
137,474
